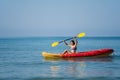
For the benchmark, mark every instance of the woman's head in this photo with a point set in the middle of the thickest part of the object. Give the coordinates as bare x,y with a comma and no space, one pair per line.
72,42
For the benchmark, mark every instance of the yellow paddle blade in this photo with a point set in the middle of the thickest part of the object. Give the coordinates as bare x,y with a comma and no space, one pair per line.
81,35
54,44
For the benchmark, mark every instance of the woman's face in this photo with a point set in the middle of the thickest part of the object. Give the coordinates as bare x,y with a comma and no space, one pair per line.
71,43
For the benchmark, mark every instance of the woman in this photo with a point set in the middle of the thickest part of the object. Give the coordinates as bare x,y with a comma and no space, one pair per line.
73,45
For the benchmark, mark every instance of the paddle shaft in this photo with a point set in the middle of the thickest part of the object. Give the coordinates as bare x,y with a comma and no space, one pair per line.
80,35
66,39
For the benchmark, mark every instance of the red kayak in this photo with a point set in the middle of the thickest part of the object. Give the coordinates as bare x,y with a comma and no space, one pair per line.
97,53
92,53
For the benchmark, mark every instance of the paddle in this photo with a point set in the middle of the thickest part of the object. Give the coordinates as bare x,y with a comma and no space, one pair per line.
80,35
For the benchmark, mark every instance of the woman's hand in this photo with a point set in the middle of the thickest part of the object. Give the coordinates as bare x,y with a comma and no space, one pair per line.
74,37
65,42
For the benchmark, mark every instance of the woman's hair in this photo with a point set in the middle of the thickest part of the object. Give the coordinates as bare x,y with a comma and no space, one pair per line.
73,42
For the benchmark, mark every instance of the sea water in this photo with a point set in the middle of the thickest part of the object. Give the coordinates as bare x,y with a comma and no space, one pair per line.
21,59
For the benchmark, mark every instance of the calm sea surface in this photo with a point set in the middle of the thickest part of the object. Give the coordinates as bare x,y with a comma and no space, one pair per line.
21,59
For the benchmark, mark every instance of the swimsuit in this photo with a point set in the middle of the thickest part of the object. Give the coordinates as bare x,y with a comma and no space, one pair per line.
75,48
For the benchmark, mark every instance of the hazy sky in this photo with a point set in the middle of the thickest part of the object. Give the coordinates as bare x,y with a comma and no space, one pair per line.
20,18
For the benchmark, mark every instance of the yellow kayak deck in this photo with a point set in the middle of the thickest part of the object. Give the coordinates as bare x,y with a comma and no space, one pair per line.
50,55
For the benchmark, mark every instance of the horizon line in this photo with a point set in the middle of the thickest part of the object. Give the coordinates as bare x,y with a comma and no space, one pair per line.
52,36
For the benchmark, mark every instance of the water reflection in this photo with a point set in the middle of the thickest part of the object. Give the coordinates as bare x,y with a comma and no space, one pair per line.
71,70
54,70
80,67
85,59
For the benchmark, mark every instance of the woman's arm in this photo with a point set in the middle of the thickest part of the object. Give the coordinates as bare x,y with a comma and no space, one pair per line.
65,43
76,42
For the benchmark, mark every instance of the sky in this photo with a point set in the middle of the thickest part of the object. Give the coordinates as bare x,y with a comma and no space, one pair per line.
31,18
